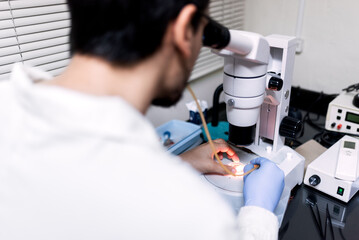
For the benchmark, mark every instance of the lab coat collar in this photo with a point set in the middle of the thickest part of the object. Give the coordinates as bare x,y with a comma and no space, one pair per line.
79,113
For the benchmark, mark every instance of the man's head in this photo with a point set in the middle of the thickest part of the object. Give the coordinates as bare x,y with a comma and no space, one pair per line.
126,32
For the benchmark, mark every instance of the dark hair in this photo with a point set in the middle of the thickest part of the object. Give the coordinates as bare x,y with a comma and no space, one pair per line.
124,31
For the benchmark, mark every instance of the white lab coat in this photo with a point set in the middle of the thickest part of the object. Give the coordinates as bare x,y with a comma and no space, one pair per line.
75,166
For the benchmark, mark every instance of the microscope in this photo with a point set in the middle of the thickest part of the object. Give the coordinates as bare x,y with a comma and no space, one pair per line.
257,77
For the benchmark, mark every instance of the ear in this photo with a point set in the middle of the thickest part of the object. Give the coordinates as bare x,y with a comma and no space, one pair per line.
183,30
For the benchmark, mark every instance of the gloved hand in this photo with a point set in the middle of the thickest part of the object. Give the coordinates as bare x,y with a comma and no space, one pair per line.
264,186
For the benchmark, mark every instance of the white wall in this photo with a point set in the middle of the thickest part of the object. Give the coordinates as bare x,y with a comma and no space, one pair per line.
203,88
330,58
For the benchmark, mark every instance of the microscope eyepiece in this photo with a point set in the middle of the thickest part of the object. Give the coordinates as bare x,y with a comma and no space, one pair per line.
215,35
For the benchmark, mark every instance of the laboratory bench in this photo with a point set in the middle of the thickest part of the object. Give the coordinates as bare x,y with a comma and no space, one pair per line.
313,215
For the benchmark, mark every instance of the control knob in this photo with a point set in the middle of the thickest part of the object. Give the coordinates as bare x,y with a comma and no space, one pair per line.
314,180
275,83
290,127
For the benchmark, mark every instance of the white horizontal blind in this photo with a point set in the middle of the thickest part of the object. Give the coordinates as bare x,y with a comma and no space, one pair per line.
34,32
229,13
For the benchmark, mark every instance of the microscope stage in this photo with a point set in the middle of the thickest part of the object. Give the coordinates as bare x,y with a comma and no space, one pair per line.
229,182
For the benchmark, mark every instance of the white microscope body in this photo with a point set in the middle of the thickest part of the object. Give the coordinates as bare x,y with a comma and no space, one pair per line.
254,67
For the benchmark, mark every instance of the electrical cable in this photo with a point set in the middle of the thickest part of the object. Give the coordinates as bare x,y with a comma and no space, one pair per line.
352,88
328,138
210,139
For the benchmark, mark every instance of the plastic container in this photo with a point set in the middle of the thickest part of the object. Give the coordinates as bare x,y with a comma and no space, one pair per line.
183,134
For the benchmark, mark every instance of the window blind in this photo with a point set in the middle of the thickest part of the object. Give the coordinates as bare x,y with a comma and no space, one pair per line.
229,13
36,33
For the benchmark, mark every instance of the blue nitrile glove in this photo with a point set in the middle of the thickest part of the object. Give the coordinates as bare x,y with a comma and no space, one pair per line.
264,186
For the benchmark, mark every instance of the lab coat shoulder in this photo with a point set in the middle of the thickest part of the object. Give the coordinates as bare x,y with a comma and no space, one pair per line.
11,116
7,94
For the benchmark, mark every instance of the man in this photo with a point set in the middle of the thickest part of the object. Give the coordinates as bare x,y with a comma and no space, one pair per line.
80,161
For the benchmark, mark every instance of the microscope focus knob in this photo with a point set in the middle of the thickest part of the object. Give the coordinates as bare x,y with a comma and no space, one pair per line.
314,180
290,127
274,81
275,84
